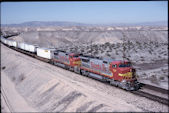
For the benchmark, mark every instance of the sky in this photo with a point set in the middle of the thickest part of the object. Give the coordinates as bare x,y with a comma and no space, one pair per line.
85,12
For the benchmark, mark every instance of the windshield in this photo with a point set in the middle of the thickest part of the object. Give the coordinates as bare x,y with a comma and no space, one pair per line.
76,56
125,65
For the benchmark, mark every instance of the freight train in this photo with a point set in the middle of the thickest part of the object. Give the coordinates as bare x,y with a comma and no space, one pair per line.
116,72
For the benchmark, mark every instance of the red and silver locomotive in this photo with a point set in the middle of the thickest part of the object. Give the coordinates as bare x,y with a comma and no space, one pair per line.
118,73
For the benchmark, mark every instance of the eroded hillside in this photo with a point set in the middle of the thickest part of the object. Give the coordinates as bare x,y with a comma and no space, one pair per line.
145,47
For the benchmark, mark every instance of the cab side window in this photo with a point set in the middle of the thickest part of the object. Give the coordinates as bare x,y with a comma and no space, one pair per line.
114,66
85,60
71,56
55,53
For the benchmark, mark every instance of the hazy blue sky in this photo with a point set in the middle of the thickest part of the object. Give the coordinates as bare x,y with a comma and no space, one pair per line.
85,12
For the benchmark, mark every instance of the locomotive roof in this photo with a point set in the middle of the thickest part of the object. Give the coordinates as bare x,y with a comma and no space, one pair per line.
89,56
60,51
108,60
73,53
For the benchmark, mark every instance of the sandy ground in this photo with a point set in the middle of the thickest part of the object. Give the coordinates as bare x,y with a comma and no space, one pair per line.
11,98
46,88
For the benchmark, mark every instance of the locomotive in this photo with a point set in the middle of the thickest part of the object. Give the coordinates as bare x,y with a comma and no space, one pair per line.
116,72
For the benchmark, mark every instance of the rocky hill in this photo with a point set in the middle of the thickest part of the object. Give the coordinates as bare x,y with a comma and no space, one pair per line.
59,36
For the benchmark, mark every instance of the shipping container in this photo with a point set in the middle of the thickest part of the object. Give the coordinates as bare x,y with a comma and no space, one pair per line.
2,39
5,41
9,43
45,52
21,45
12,43
30,48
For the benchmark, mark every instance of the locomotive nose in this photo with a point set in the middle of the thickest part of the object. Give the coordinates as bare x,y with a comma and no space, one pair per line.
125,70
76,59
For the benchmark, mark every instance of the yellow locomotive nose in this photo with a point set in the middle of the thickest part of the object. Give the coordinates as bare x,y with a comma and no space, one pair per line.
128,74
77,62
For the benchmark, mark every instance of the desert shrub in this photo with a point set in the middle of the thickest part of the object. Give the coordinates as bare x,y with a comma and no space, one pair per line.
142,60
107,44
165,54
82,50
13,78
21,77
154,79
112,45
150,51
108,51
89,51
102,51
3,67
110,48
144,74
129,56
108,54
161,78
96,52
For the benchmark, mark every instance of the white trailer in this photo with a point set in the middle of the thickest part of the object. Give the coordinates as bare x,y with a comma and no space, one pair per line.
21,45
45,53
9,42
30,48
2,39
12,43
5,41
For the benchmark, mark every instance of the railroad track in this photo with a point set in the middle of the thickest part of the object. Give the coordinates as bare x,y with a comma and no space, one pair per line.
139,92
151,96
158,89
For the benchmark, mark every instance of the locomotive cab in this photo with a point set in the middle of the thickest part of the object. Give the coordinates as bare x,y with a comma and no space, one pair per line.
124,73
74,59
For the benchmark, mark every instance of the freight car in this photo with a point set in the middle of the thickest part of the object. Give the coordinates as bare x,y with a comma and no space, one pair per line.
116,72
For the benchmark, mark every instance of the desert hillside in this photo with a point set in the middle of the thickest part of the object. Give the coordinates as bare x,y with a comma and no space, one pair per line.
60,36
145,46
